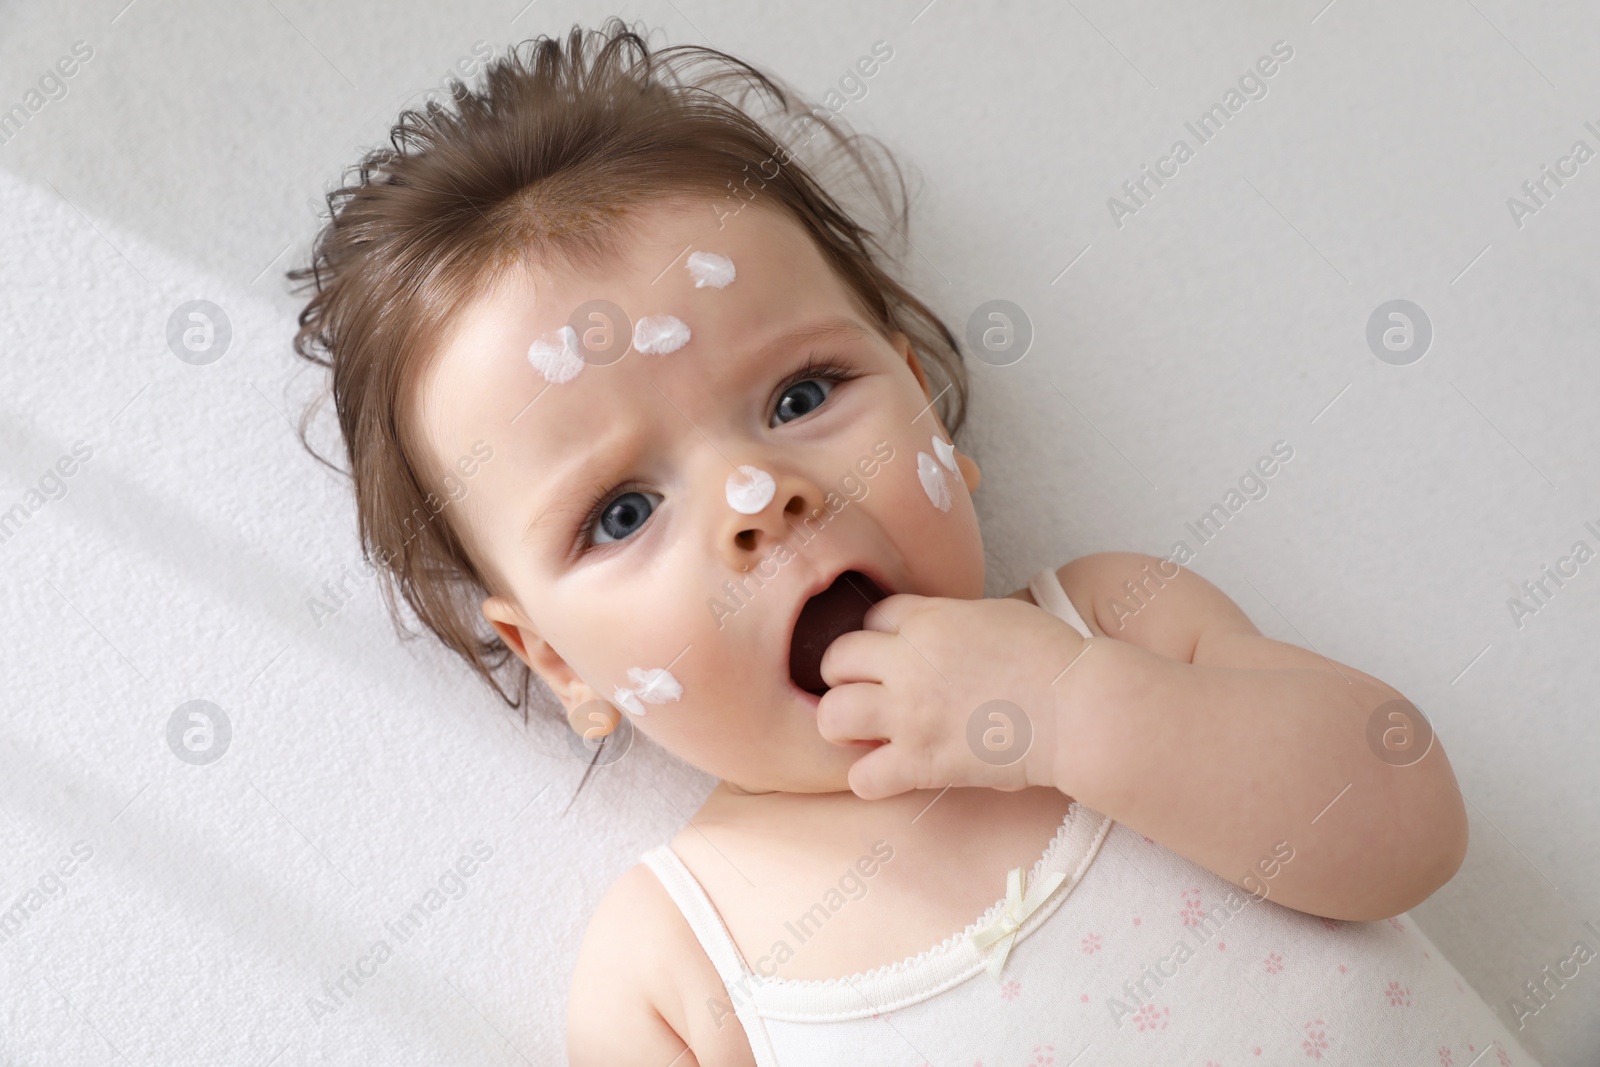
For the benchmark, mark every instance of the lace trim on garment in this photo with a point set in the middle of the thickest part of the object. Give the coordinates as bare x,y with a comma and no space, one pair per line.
946,965
948,944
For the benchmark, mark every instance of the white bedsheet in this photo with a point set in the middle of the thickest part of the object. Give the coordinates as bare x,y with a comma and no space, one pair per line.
207,905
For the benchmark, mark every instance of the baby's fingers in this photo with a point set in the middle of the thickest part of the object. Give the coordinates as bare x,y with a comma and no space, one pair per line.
858,656
852,712
883,772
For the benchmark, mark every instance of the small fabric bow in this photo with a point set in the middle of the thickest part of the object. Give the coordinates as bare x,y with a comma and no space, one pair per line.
1002,933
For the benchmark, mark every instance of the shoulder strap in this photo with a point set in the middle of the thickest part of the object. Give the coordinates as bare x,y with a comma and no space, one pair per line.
702,917
1048,594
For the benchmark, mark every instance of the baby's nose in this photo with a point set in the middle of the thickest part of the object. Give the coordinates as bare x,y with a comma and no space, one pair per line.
762,507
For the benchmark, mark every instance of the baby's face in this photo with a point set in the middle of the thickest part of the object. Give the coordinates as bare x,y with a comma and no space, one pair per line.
670,574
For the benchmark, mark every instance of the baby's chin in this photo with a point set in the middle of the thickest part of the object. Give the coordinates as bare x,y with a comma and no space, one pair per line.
830,774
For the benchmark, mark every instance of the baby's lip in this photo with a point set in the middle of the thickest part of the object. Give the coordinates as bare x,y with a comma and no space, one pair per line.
833,613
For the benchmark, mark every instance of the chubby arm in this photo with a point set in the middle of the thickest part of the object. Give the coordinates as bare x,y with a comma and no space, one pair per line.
1185,723
640,988
610,1016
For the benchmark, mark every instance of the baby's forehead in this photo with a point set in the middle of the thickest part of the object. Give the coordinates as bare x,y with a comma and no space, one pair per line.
498,374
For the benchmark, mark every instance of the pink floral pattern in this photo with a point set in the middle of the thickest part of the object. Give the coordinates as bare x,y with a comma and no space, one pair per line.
1043,1056
1446,1059
1273,963
1191,913
1149,1017
1316,1039
1399,995
1091,944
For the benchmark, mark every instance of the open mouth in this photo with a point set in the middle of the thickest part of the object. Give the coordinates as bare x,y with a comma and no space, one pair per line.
838,609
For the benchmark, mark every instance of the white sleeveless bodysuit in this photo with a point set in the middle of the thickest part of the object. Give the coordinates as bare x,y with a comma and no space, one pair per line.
1136,956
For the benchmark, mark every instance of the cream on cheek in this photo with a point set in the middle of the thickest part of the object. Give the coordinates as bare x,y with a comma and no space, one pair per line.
651,685
933,479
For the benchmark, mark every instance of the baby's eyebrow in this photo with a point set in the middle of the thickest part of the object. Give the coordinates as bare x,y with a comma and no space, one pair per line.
834,329
569,477
837,328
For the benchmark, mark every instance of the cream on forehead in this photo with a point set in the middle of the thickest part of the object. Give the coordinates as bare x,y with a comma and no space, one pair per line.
558,358
710,269
749,490
660,334
933,481
654,685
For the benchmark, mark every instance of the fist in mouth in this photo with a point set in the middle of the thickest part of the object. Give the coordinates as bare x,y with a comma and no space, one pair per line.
958,692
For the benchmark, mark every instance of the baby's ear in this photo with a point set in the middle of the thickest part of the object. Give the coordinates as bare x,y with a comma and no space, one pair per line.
902,344
519,635
508,621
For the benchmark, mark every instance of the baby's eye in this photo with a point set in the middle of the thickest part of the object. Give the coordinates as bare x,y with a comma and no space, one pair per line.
624,515
802,398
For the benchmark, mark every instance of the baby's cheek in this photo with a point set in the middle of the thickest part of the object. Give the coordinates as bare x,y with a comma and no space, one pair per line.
669,662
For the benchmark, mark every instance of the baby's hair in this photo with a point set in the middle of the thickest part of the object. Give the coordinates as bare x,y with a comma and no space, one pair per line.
545,164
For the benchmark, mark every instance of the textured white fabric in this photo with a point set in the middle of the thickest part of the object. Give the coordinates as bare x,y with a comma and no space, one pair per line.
1139,957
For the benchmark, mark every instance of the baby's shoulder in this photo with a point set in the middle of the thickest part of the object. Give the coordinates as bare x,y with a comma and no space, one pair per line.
616,982
641,984
1082,580
1111,591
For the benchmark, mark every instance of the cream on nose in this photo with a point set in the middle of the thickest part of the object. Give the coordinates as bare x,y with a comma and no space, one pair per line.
750,489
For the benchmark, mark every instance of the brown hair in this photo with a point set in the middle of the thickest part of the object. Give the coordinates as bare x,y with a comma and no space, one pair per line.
544,163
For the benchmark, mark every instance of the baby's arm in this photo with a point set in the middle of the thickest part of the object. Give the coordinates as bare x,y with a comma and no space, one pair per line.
642,987
1201,733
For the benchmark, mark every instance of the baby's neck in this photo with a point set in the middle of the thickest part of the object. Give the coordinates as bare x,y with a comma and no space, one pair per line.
822,817
730,802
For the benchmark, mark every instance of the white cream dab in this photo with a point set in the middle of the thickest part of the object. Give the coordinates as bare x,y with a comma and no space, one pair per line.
710,269
750,490
558,360
933,481
945,451
654,685
660,334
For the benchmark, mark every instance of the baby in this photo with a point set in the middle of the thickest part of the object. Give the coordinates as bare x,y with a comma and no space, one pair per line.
617,375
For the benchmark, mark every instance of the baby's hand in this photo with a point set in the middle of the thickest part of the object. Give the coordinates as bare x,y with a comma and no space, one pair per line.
922,677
